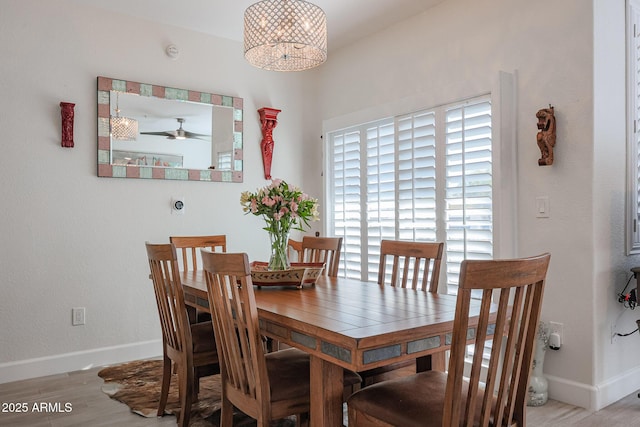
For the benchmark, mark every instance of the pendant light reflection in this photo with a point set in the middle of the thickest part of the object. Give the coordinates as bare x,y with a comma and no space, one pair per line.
123,128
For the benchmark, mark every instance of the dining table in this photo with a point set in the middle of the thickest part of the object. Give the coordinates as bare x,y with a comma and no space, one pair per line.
348,323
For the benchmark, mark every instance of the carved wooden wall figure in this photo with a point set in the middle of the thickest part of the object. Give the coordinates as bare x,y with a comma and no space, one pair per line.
546,135
66,110
268,121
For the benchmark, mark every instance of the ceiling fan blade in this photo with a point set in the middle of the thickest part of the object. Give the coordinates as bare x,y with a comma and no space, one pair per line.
179,133
164,133
193,135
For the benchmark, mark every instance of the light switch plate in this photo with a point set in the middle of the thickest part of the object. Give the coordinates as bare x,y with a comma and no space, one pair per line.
542,207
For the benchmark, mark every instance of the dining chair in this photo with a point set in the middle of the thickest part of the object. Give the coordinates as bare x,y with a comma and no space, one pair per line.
317,250
264,386
497,397
191,347
323,249
415,265
189,247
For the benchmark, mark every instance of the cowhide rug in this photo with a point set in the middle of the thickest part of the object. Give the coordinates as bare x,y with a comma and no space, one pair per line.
137,384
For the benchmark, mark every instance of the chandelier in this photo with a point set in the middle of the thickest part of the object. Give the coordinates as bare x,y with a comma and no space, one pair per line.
123,128
285,35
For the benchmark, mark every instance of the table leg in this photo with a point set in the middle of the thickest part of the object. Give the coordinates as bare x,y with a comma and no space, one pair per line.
326,393
433,362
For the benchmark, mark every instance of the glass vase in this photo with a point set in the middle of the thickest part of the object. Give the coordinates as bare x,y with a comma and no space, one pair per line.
279,259
538,384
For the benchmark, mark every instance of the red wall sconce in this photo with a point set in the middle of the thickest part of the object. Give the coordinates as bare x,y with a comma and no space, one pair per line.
66,110
268,121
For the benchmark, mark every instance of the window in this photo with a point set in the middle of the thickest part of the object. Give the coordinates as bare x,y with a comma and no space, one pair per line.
633,103
424,176
225,160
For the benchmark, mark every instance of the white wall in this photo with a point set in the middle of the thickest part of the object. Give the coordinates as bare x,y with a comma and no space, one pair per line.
456,50
71,239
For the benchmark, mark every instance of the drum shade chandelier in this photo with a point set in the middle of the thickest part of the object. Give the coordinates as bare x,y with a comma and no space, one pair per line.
285,35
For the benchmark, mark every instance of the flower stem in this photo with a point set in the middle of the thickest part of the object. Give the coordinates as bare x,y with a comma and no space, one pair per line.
279,235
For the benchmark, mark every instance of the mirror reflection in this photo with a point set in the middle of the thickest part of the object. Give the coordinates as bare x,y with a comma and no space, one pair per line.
148,131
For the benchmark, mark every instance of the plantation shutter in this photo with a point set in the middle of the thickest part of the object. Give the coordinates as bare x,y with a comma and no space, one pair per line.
468,194
468,180
423,176
346,206
380,192
416,185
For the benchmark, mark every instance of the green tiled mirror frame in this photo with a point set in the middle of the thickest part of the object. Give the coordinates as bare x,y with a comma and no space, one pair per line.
107,169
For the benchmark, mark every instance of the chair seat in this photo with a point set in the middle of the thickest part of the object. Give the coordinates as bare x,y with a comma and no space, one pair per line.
202,336
421,397
291,367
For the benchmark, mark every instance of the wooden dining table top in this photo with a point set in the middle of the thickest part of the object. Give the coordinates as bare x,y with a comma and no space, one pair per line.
350,324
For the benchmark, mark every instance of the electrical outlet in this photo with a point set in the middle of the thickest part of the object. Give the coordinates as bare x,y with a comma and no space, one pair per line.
77,316
556,328
614,333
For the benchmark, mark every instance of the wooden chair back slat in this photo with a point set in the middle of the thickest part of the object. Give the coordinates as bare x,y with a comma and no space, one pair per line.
190,246
413,264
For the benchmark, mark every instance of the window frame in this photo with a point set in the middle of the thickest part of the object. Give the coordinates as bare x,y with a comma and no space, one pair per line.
502,89
633,116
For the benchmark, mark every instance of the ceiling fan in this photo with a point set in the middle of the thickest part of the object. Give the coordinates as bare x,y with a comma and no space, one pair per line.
179,133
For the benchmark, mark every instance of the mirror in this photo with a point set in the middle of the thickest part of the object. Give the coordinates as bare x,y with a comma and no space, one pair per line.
158,132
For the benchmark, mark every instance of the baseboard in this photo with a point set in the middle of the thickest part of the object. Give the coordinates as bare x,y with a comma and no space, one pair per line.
592,397
571,392
79,360
618,387
586,396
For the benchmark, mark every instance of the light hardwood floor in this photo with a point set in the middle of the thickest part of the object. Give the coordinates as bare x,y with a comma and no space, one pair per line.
89,406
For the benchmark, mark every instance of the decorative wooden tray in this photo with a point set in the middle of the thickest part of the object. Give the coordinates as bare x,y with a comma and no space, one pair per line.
299,274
